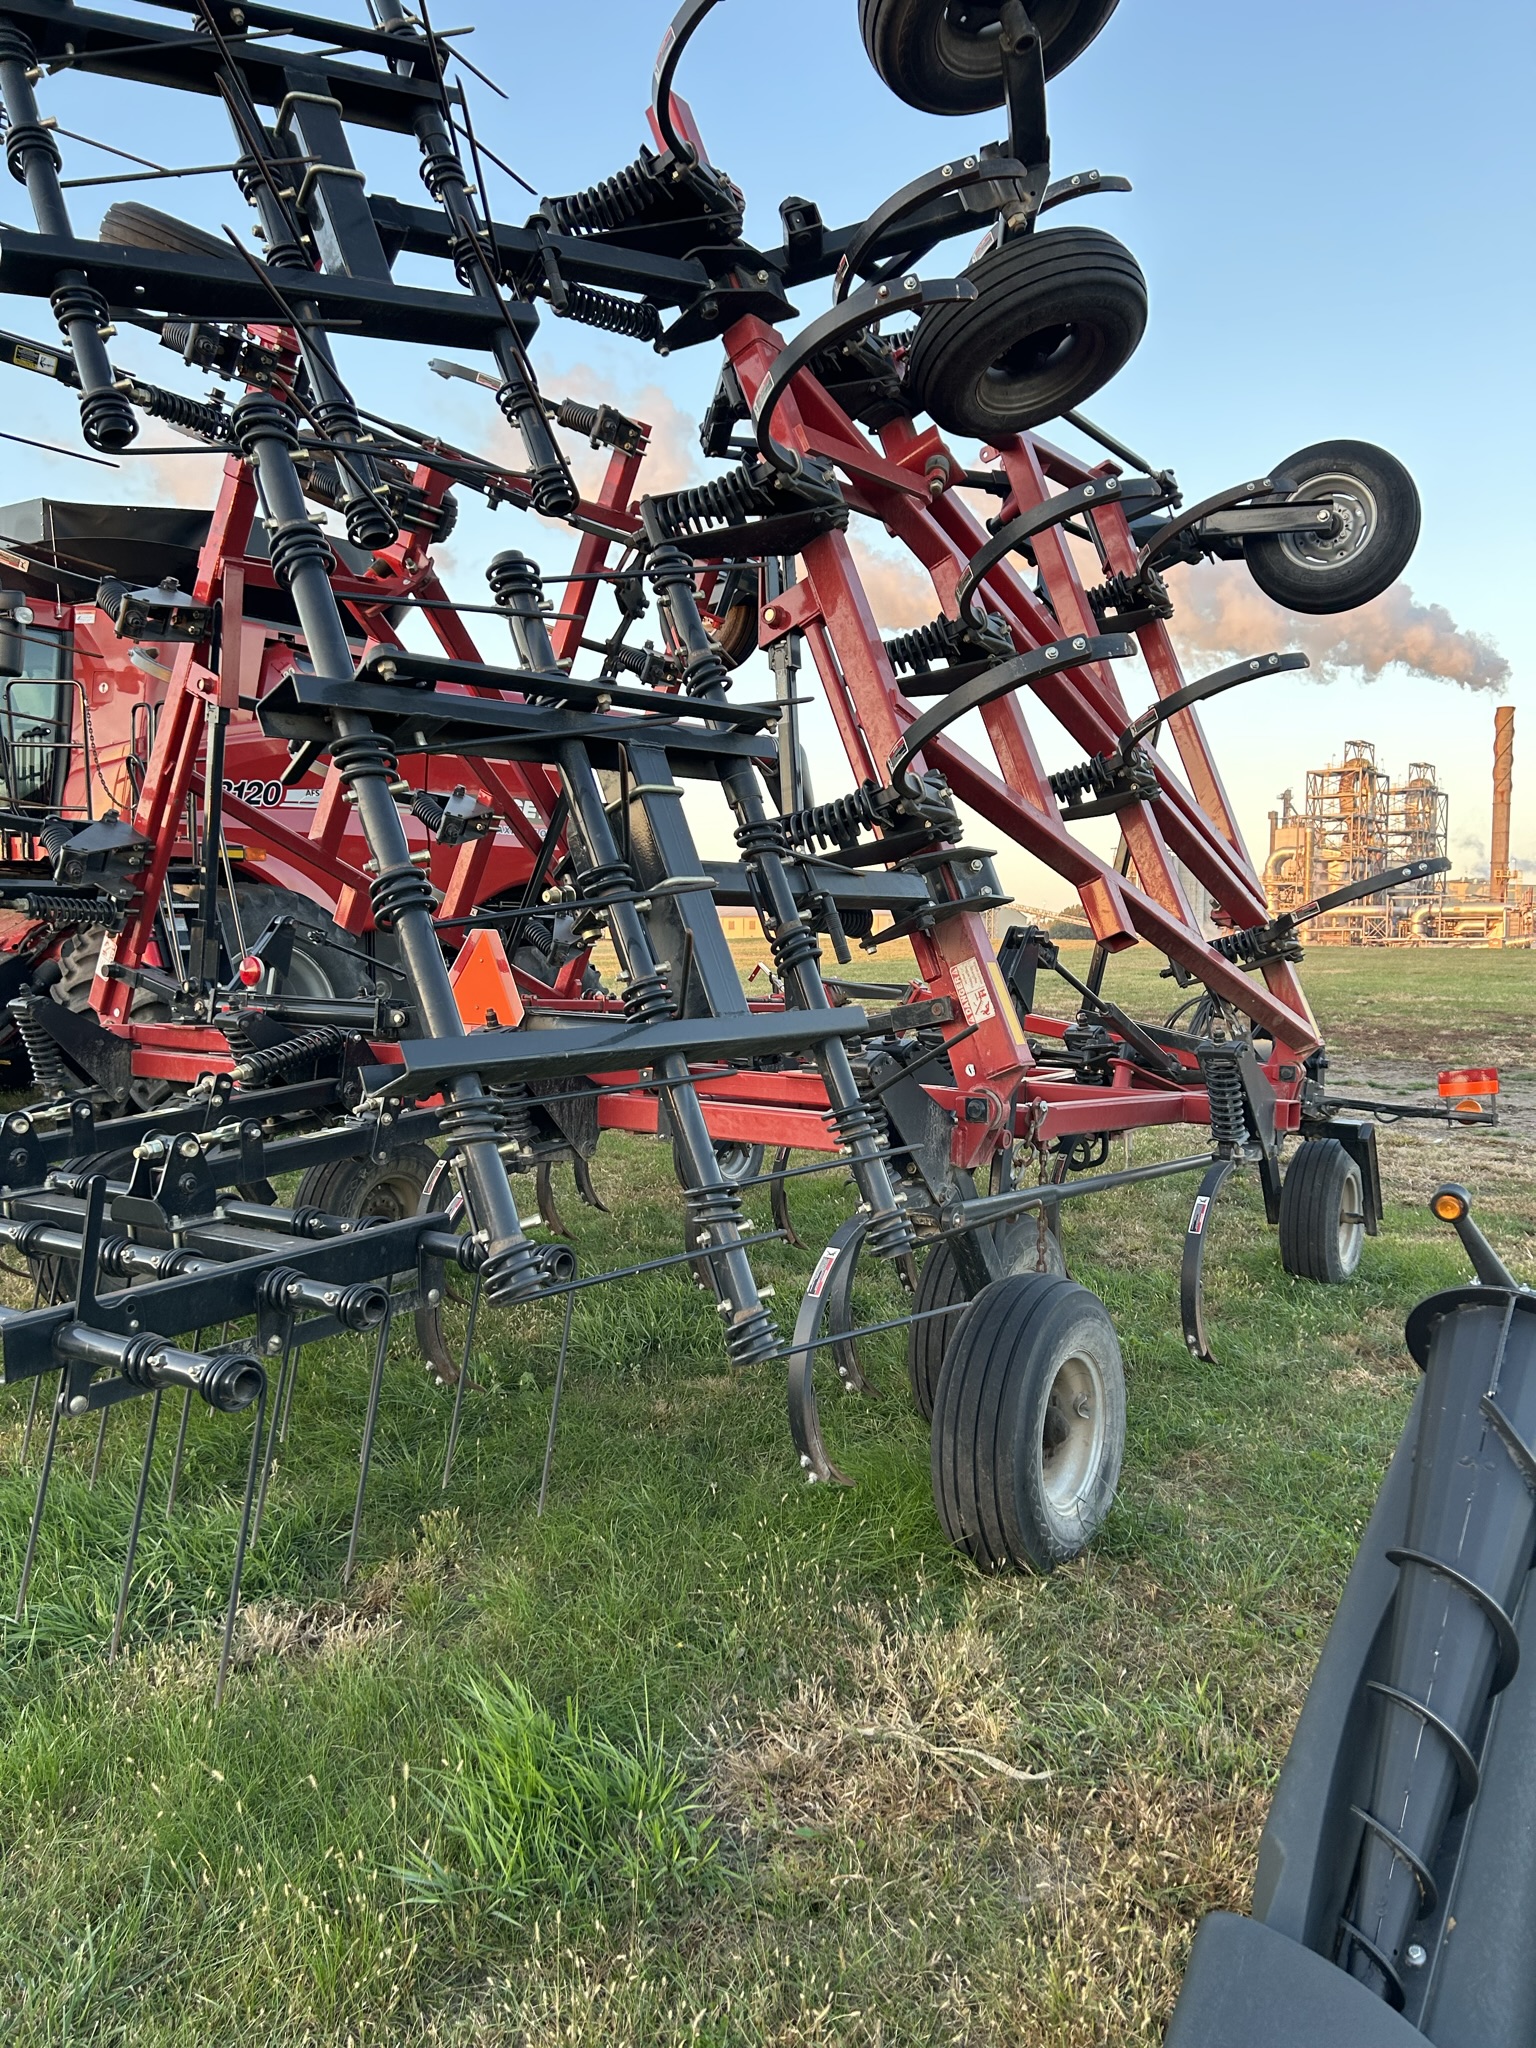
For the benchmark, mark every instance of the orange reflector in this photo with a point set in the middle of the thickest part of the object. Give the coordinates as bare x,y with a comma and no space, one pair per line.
1469,1091
484,986
1448,1206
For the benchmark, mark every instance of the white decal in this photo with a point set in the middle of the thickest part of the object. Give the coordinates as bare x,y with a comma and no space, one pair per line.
971,988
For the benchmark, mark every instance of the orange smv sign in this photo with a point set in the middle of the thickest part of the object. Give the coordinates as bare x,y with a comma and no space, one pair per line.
483,983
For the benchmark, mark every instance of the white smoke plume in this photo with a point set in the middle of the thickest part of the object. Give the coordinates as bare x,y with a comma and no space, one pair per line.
1222,611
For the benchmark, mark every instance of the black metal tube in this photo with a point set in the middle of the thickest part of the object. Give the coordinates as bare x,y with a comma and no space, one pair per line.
760,835
715,1206
33,156
554,491
267,438
227,1380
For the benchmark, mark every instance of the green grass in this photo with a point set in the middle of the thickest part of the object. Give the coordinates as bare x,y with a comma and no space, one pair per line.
704,1754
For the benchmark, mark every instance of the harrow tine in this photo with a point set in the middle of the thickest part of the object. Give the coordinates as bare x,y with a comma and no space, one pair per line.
1192,1261
584,1186
554,1406
241,1543
365,1454
49,1446
135,1526
101,1443
463,1381
181,1445
287,1371
544,1183
779,1200
26,1431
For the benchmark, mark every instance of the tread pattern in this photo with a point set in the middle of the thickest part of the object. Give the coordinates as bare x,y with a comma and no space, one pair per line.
1074,275
981,1413
1312,1196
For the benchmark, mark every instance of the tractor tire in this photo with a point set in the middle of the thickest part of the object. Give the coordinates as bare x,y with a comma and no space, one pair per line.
1322,1213
1029,1424
71,987
941,1286
932,61
127,225
1379,503
736,1159
391,1188
1058,313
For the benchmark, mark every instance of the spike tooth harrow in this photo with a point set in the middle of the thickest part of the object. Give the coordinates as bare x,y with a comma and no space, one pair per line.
916,1101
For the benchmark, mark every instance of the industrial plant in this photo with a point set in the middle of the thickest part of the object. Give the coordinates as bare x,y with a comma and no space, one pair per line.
1356,821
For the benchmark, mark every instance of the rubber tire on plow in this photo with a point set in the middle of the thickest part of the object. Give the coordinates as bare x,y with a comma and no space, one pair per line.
930,61
391,1187
1380,505
1057,313
940,1285
1029,1424
1322,1213
77,957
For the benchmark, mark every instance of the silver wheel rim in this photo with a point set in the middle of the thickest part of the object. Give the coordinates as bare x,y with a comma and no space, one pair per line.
1072,1434
1351,1220
1354,502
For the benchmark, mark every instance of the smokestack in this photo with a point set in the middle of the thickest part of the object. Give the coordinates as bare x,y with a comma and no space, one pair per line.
1500,873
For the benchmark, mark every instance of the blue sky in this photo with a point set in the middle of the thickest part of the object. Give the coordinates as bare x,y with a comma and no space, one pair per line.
1331,206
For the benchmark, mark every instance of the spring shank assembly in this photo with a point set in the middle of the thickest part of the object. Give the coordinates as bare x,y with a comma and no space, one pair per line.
34,161
1467,1548
554,492
266,436
714,1207
760,835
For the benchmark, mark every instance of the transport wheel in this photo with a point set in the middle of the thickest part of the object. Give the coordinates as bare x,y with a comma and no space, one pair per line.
322,962
1029,1424
942,55
127,225
736,1159
940,1285
1322,1213
1378,505
391,1188
1057,314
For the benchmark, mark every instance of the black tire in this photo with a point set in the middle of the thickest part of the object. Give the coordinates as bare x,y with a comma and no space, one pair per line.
391,1188
71,988
941,1285
1379,503
128,225
736,1158
1029,1424
929,60
1322,1213
1057,314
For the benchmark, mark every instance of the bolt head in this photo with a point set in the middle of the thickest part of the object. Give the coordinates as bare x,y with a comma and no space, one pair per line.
1417,1955
274,1344
78,1404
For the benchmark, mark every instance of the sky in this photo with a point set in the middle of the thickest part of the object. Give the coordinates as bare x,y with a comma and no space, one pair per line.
1331,208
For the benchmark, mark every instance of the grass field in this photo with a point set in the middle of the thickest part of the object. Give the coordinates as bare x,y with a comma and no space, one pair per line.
707,1755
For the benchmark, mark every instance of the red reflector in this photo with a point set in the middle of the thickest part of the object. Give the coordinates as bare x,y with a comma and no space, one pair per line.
251,971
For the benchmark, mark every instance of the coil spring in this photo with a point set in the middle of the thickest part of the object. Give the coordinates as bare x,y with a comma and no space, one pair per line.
520,1270
298,544
933,642
15,47
272,1062
261,417
396,893
636,318
55,835
722,501
579,417
1240,947
517,1120
209,420
48,1069
512,576
1229,1107
232,1024
648,1000
611,203
430,810
480,1121
363,756
1085,779
26,139
837,823
889,1234
550,484
59,908
284,251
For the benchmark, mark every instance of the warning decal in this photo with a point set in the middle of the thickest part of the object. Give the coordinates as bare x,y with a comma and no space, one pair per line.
971,988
